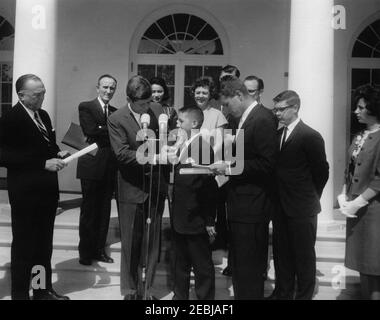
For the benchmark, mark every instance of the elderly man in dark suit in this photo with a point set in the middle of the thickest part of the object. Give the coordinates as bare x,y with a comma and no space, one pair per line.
97,174
302,172
250,190
133,191
32,157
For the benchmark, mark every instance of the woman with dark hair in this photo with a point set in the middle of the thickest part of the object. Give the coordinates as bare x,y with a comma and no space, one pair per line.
204,91
360,198
160,94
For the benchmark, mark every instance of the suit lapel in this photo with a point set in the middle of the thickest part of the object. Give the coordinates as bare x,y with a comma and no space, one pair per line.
30,123
292,135
98,111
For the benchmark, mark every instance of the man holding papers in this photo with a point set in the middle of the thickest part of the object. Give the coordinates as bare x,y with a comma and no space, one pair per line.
97,174
249,193
30,153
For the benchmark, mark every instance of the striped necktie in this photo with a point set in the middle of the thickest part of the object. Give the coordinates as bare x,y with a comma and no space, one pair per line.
105,113
41,127
284,136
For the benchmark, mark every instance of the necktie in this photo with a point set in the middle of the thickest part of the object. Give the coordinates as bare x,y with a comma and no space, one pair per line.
105,113
284,134
41,127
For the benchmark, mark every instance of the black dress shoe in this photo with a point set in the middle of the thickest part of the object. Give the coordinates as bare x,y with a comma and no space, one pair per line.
273,296
227,271
48,295
85,261
131,296
103,258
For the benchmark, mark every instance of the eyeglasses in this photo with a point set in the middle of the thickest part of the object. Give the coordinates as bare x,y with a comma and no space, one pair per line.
275,110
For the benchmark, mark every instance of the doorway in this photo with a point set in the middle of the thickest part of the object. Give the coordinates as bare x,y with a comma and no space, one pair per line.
179,47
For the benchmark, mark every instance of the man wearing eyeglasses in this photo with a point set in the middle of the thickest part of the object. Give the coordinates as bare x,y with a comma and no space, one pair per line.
301,172
32,157
255,86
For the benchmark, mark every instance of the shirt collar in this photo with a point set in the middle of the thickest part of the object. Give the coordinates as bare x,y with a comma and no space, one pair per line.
136,115
293,125
30,112
246,113
102,104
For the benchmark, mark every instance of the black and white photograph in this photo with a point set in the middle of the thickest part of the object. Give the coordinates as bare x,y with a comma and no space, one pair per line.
190,150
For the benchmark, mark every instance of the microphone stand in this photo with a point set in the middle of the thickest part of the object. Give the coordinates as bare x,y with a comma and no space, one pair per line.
148,226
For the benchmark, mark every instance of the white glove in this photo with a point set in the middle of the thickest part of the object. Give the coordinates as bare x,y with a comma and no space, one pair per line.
342,200
351,207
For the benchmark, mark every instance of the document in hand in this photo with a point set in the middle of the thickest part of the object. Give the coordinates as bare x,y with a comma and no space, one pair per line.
76,139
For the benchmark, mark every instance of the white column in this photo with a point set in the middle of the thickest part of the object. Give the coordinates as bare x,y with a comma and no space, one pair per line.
311,72
34,49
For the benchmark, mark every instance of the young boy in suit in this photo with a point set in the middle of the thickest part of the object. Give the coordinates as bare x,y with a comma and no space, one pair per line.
193,215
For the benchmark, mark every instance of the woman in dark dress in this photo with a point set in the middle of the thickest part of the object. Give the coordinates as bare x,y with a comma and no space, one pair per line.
160,94
360,199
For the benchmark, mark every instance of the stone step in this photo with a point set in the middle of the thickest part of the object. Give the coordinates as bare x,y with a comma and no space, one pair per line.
101,281
68,239
67,260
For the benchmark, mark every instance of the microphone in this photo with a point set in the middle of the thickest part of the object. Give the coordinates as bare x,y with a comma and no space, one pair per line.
145,121
163,123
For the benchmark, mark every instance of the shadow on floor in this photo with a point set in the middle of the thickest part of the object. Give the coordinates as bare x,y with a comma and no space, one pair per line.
5,282
70,280
70,204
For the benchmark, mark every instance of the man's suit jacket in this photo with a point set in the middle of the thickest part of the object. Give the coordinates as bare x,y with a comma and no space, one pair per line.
302,171
249,196
24,153
194,201
94,126
123,129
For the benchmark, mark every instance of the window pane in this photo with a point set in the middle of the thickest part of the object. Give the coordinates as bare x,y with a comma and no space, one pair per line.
181,21
147,71
376,26
191,74
376,51
188,97
167,72
361,50
213,72
166,24
196,24
6,72
171,95
5,107
368,37
360,77
153,32
6,93
376,77
208,33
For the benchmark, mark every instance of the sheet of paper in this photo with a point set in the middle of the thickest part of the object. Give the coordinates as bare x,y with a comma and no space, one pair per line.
80,153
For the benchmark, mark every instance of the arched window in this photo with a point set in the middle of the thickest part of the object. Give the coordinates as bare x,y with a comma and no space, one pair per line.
367,45
181,33
6,66
179,43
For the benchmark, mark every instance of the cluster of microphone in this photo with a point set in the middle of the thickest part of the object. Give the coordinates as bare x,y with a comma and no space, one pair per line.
165,137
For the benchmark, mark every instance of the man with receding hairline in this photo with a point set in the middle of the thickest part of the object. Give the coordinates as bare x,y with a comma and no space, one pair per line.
97,174
32,157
